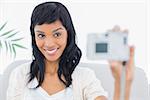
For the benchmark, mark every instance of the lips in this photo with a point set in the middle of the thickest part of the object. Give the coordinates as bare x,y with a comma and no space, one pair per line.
51,51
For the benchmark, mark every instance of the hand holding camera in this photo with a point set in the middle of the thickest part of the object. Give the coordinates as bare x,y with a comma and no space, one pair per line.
113,46
129,63
116,69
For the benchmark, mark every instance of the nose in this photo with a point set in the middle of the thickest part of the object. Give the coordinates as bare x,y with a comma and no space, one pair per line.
49,42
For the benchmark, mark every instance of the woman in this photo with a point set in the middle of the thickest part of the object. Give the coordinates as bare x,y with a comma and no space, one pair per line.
53,74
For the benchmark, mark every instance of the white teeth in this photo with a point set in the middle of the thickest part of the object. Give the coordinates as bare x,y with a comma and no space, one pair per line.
51,51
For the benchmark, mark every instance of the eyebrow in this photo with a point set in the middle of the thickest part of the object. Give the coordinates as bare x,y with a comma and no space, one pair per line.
39,31
60,28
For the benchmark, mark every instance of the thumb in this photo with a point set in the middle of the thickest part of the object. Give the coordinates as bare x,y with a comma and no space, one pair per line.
132,50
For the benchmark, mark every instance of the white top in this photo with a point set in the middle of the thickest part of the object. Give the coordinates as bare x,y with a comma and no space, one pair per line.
85,86
41,94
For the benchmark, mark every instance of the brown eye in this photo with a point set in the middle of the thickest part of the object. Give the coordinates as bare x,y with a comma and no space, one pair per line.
41,36
57,34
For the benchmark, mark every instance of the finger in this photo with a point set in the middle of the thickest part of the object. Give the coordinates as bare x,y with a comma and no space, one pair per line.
125,31
132,48
116,28
130,65
131,58
114,63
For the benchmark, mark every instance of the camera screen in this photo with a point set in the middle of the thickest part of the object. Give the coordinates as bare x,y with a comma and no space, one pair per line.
101,47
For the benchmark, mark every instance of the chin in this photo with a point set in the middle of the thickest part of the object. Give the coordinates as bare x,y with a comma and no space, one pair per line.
52,59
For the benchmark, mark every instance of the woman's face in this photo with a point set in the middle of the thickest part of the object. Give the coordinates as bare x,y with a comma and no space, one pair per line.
51,39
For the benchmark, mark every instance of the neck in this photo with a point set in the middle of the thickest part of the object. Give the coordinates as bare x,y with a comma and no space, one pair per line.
51,67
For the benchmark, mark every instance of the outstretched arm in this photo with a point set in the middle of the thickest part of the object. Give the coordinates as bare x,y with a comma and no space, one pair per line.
116,68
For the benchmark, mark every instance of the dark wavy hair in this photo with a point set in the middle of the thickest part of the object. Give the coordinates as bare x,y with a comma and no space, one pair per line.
47,13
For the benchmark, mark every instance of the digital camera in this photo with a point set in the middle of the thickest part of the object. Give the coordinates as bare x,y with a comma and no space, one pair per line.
108,46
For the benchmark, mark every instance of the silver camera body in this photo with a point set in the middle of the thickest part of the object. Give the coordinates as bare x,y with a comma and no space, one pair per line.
108,46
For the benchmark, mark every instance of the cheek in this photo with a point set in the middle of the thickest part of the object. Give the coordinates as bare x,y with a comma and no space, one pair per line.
39,43
64,41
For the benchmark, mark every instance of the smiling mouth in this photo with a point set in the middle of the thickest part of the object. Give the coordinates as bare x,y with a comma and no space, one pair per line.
52,51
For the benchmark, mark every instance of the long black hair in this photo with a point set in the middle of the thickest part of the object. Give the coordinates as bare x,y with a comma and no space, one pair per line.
47,13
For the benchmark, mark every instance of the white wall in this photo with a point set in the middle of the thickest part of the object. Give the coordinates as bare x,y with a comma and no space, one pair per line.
148,38
92,16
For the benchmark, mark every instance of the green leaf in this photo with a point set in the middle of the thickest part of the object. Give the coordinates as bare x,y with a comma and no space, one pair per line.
6,33
10,48
11,35
20,46
17,39
6,46
3,26
14,50
9,41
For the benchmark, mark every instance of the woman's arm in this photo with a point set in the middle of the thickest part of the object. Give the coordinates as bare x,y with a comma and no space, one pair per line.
116,69
129,73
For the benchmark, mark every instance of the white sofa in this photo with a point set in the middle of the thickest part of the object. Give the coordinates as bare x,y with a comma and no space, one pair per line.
139,88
